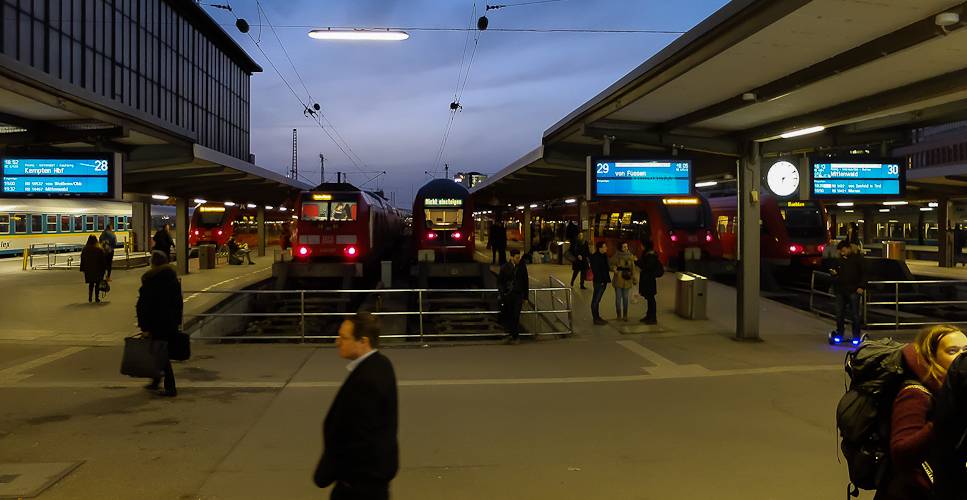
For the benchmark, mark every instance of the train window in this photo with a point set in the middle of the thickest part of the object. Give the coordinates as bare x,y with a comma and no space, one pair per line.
210,217
686,216
78,223
346,210
804,222
627,229
51,223
4,224
443,218
20,223
65,223
127,223
315,211
101,221
89,223
37,224
723,224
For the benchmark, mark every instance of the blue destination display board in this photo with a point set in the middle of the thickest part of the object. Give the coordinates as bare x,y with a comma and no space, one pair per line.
865,178
53,177
615,178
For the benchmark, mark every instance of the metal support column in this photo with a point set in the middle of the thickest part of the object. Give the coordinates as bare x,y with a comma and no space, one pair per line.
943,221
525,229
869,226
584,219
181,235
141,227
747,298
260,223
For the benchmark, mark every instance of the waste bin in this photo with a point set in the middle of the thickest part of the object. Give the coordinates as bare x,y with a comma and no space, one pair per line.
691,292
206,256
895,250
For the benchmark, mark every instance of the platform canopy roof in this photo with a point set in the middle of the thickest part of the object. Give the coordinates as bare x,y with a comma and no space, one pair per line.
869,72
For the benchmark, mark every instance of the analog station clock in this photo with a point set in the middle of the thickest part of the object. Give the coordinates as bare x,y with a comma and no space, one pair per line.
783,178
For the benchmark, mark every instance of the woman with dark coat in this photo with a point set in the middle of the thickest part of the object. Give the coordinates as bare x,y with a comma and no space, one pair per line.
159,311
92,265
582,252
651,269
163,241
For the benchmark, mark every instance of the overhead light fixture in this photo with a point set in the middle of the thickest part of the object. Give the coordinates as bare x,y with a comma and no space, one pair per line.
926,209
894,203
947,19
534,205
229,204
200,201
850,211
884,209
159,196
845,204
269,207
570,200
933,204
705,184
748,96
797,133
250,205
358,34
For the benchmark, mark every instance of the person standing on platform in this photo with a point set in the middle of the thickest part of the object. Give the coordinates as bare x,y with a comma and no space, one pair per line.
92,265
501,244
853,237
108,242
622,263
582,252
960,239
850,273
571,231
285,236
492,240
360,448
651,270
163,241
600,279
513,285
159,309
237,251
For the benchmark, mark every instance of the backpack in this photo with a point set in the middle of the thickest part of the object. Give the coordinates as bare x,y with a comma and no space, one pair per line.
950,434
877,372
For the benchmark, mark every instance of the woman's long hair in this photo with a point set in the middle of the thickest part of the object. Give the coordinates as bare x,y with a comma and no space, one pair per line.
91,241
927,344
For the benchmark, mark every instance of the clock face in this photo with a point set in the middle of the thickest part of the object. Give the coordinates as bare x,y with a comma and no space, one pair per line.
783,178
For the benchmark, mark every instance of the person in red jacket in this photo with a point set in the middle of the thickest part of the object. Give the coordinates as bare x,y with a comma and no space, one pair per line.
911,433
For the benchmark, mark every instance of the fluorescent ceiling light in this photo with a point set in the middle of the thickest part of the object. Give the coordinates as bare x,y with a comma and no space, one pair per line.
933,204
358,34
850,211
250,205
926,209
705,184
845,204
200,201
570,200
159,197
894,203
884,209
534,205
861,220
797,133
229,204
268,207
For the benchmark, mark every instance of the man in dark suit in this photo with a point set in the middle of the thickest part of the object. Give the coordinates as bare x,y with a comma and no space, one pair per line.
512,289
360,450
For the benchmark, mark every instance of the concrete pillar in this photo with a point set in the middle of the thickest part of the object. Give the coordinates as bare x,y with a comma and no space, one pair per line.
526,228
141,227
747,297
260,223
181,235
869,226
943,216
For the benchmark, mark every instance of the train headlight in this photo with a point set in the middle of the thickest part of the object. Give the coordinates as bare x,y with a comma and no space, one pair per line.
456,235
820,247
431,235
220,232
674,238
303,251
197,232
795,249
351,251
708,237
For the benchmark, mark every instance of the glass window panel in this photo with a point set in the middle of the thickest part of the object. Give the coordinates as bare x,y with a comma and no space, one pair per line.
438,218
54,57
4,224
101,221
36,223
315,211
78,223
89,223
51,223
39,45
65,223
9,31
127,224
23,53
20,223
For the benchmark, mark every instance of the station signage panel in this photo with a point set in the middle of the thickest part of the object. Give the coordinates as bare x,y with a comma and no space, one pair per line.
57,176
443,202
613,178
857,178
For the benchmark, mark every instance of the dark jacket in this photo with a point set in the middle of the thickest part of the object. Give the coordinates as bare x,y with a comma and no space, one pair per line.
949,428
492,235
359,433
651,269
92,264
580,247
851,273
160,303
513,282
600,268
499,236
108,241
571,232
163,241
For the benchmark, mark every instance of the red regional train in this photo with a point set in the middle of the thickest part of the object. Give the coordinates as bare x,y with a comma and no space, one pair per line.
215,224
443,223
791,232
338,222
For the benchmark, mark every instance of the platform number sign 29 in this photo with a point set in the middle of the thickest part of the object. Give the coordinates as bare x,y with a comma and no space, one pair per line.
603,168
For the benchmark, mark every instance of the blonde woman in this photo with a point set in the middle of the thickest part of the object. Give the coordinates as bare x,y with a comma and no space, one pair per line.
911,433
622,264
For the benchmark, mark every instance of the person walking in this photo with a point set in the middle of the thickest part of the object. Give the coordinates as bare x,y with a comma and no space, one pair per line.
850,273
501,244
163,241
513,287
582,252
651,269
492,240
960,239
360,449
108,242
159,310
622,263
571,231
600,279
911,431
92,265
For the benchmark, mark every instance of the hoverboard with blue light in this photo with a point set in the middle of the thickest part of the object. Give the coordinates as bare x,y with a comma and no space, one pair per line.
835,338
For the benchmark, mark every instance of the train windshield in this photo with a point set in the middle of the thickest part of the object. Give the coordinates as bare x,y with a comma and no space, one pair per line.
443,218
804,222
329,210
686,216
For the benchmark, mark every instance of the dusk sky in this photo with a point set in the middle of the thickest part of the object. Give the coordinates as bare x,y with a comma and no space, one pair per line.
390,101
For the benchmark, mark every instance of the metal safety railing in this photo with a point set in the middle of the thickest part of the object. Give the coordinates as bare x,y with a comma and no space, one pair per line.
70,252
421,297
895,303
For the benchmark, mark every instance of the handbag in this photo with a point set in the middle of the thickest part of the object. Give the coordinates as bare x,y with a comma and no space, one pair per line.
144,358
179,346
590,275
570,257
625,273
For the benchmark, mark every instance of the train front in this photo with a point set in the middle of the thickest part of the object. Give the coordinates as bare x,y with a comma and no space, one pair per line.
443,223
689,230
332,226
806,234
211,224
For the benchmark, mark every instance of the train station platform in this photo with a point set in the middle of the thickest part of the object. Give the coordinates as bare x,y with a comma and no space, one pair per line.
677,410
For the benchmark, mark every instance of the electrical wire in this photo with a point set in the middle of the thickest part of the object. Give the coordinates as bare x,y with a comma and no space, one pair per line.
507,30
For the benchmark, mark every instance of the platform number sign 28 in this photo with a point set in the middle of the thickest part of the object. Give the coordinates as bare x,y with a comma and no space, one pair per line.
100,165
